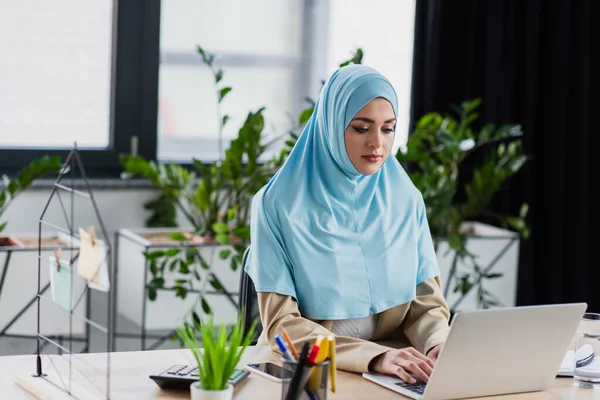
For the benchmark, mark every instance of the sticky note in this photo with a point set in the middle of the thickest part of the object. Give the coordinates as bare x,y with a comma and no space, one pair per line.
60,283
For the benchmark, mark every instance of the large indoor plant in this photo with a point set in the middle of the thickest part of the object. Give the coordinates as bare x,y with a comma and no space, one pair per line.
216,358
459,170
214,198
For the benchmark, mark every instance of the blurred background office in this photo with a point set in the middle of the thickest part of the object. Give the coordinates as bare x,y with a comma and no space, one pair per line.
503,91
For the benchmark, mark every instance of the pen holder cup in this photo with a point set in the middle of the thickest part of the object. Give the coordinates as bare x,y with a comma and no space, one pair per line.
309,384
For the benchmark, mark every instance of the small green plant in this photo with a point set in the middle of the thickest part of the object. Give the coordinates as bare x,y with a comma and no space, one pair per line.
11,188
216,358
435,154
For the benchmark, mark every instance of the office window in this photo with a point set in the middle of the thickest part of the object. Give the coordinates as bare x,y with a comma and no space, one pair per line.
274,54
55,73
78,71
384,29
258,45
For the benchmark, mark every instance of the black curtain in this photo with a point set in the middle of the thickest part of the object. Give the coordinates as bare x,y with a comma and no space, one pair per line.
532,62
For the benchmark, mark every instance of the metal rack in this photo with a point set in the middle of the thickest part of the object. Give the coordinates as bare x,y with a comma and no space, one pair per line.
72,166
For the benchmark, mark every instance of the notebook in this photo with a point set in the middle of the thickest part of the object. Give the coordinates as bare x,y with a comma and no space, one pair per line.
586,353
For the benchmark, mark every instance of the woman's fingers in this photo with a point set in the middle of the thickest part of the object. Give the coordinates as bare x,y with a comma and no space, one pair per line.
421,356
413,368
405,376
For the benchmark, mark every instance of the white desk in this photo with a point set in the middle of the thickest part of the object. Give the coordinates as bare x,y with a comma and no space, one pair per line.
130,380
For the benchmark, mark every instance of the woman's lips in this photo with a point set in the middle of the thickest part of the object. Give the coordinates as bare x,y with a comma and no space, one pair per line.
372,158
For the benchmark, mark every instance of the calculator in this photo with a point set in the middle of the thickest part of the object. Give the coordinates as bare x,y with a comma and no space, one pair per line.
182,376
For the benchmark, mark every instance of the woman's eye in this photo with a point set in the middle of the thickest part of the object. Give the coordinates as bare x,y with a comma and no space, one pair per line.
388,130
360,129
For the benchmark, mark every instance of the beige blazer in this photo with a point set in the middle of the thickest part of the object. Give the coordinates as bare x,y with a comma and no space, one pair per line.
421,323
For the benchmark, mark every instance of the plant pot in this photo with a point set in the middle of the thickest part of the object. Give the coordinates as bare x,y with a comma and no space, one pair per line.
167,311
201,394
497,251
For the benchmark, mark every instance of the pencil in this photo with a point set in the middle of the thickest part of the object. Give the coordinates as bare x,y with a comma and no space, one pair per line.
286,337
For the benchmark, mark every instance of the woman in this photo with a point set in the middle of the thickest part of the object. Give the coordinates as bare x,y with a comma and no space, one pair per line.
340,242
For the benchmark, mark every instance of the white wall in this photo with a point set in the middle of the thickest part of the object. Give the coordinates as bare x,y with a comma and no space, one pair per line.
120,208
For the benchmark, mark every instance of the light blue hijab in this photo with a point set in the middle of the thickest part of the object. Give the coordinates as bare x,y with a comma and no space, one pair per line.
343,244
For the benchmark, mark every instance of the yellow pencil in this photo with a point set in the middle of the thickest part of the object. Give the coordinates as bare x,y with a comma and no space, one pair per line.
332,366
315,375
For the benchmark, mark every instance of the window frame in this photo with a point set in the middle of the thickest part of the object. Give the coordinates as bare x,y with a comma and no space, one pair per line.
133,94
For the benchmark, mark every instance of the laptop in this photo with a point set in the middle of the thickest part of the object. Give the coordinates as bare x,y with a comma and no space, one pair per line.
497,351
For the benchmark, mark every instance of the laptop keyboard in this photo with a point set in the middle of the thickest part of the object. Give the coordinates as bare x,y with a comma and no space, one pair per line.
418,387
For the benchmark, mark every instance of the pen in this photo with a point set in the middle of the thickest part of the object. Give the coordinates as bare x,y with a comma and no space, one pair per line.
288,340
294,387
286,352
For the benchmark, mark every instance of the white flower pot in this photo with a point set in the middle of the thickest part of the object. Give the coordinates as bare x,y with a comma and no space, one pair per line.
160,313
489,245
201,394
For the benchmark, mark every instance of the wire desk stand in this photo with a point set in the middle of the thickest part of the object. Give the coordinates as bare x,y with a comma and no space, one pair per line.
57,377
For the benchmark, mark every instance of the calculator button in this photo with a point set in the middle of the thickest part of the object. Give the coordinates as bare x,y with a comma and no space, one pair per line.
175,369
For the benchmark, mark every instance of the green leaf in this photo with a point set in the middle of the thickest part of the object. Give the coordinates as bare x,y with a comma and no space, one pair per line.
183,268
522,212
223,92
197,275
153,267
219,76
223,238
2,226
305,115
494,275
220,227
233,264
172,252
454,241
242,232
224,120
216,284
204,264
178,236
472,105
231,214
151,293
181,281
224,254
157,282
196,319
173,265
180,291
205,306
153,255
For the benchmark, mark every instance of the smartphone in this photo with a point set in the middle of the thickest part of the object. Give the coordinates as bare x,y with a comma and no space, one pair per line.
268,370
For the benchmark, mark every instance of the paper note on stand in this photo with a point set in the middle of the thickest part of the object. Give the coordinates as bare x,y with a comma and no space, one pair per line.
92,261
60,283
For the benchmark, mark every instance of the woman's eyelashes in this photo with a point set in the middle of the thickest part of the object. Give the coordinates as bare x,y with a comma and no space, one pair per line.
365,129
361,129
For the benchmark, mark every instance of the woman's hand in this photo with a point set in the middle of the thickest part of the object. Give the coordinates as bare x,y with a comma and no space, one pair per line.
403,363
434,352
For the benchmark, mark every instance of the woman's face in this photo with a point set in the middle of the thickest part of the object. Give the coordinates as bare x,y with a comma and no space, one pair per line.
370,135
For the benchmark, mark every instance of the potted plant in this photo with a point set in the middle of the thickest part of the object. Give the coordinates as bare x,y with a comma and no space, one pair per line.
215,200
217,358
459,170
